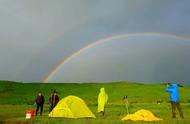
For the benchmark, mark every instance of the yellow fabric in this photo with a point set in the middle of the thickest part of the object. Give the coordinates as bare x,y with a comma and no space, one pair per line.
71,107
102,99
141,115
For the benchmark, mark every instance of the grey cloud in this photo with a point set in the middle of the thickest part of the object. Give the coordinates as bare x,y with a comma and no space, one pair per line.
35,35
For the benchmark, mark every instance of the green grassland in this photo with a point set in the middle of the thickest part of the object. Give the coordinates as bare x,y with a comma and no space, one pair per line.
16,98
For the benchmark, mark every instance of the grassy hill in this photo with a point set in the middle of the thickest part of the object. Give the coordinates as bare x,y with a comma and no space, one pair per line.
18,97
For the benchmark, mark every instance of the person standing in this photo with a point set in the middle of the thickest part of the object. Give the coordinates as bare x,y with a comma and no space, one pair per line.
172,88
50,100
102,101
54,99
40,102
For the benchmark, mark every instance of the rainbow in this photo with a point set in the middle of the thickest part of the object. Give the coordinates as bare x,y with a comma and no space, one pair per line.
107,39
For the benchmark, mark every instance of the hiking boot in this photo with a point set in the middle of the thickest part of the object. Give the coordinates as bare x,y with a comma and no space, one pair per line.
173,116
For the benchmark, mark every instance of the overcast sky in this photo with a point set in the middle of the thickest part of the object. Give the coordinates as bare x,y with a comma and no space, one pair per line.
35,35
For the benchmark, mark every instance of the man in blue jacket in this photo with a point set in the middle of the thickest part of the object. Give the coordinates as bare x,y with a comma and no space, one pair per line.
174,98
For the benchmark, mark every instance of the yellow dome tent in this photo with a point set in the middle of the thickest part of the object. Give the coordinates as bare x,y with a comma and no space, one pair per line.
71,107
141,115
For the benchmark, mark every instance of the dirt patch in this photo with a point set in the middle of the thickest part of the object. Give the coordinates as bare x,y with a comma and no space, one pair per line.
12,122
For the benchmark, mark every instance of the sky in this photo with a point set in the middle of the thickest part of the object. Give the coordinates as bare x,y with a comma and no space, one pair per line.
36,35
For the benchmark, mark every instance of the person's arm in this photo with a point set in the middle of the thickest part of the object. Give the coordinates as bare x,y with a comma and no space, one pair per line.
43,99
36,99
169,88
50,100
179,85
57,99
106,100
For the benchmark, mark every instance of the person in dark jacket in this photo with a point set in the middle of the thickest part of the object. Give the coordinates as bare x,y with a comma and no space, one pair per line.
53,100
40,102
174,98
50,99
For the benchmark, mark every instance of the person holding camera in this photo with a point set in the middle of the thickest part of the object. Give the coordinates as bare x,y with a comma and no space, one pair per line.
172,88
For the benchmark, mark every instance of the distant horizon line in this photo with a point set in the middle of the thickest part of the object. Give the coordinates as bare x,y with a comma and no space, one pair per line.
98,82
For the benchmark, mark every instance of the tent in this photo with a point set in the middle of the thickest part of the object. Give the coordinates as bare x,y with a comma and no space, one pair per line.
71,107
141,115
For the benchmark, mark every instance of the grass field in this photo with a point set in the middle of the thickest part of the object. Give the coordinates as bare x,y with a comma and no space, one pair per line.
16,98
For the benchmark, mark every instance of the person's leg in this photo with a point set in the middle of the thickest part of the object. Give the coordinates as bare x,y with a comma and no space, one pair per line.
41,109
104,112
101,113
37,109
53,106
173,104
179,109
50,108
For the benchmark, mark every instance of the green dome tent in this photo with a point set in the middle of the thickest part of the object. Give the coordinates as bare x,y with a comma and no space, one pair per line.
71,107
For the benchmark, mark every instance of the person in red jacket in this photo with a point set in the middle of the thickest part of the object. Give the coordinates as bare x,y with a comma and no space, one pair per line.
53,100
40,102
